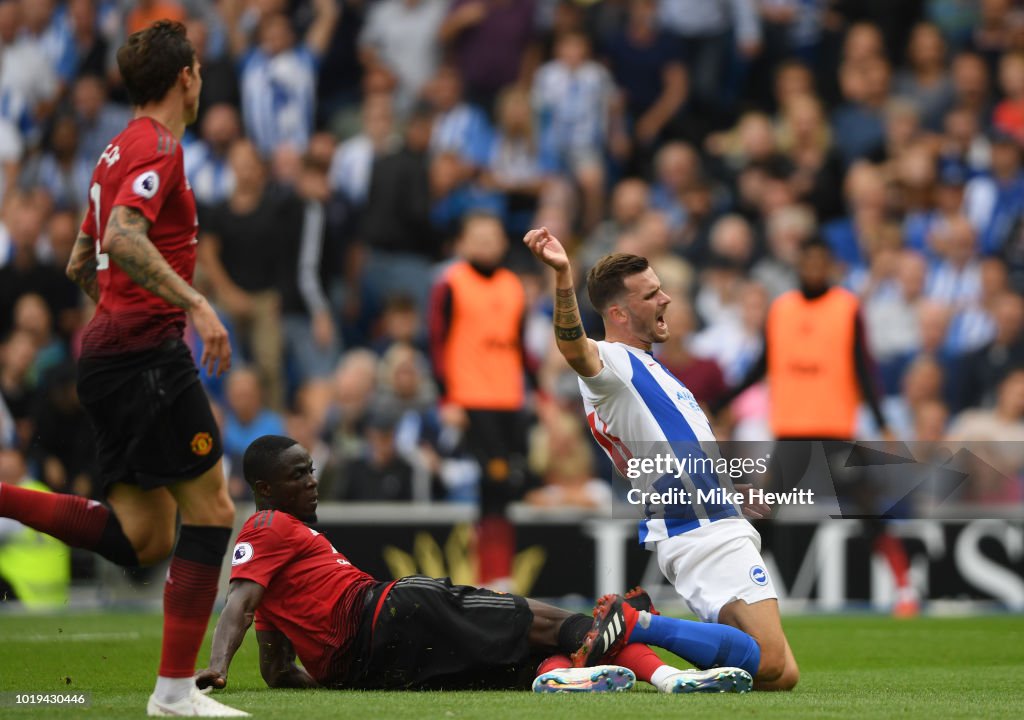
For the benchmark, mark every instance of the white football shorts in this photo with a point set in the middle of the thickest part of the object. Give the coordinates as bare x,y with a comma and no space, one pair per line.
716,564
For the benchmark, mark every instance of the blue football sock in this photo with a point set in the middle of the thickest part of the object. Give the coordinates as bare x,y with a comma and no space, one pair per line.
706,645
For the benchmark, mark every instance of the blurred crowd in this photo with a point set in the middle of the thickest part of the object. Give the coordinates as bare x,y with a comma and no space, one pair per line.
341,143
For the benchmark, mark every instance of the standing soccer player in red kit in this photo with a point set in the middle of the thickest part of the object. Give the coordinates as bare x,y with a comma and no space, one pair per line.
158,447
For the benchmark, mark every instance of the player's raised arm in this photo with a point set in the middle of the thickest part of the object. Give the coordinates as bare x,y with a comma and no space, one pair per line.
244,597
277,662
126,241
577,349
82,266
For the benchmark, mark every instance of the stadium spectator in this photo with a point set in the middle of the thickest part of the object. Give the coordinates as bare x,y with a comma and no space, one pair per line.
459,127
35,568
352,393
63,171
206,159
26,270
993,200
220,79
32,316
352,162
91,49
731,252
401,38
972,86
630,200
277,78
309,328
513,163
477,317
806,140
48,26
713,34
647,63
19,387
63,445
702,375
395,234
891,317
996,437
925,81
242,257
980,372
735,339
381,474
29,85
579,119
561,457
923,383
489,40
97,118
246,417
787,229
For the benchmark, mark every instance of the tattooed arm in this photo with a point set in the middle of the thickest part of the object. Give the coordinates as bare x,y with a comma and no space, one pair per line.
127,243
577,349
82,266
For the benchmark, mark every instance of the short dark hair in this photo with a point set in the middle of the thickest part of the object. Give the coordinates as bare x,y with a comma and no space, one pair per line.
261,456
816,242
606,280
151,59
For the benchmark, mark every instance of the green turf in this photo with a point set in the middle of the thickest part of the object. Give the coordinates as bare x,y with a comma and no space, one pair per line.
852,667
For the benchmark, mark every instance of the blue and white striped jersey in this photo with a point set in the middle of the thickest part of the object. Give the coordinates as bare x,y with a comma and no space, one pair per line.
635,407
279,97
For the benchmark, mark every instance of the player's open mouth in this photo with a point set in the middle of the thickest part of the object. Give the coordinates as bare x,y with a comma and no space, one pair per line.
661,321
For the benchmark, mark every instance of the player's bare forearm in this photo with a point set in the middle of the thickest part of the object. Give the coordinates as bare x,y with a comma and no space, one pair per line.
82,266
577,349
127,243
239,610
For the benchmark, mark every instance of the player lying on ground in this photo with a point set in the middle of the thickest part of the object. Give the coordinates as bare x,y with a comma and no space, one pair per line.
157,443
633,402
351,631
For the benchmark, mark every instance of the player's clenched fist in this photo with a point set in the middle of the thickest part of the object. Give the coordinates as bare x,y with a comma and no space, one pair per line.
547,248
210,678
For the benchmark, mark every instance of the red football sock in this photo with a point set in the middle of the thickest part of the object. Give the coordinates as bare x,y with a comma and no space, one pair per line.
495,543
74,520
640,659
188,597
555,662
896,555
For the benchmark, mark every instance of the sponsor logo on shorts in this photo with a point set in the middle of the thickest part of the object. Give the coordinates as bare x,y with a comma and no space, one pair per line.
202,443
243,553
759,575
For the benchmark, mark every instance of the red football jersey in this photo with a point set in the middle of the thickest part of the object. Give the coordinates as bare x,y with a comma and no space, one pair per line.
314,595
142,168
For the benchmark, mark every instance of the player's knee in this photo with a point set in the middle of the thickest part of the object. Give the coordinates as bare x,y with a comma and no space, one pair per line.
789,678
154,548
773,663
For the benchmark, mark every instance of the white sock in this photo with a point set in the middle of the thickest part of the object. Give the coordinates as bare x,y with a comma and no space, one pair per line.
171,690
660,677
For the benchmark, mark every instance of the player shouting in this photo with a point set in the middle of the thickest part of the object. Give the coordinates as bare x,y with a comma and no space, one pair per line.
710,554
157,443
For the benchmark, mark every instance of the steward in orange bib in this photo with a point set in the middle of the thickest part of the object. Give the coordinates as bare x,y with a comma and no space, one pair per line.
815,357
477,314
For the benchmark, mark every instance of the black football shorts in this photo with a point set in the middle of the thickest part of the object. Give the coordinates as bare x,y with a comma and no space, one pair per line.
153,421
430,634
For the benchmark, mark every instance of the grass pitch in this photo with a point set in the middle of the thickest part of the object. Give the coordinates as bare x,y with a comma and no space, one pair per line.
852,667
